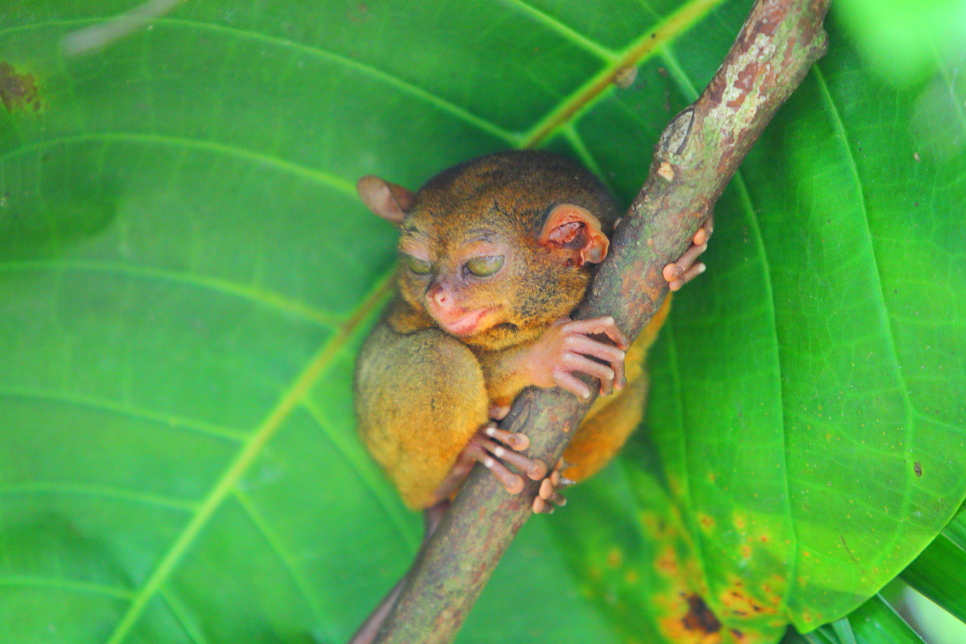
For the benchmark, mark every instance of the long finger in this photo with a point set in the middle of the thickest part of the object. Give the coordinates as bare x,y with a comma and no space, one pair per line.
605,374
684,262
704,232
549,493
568,383
692,272
511,482
556,479
516,441
593,348
605,325
534,468
542,507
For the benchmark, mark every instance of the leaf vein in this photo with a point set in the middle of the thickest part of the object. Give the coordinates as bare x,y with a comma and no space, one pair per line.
337,183
886,324
250,449
267,299
128,410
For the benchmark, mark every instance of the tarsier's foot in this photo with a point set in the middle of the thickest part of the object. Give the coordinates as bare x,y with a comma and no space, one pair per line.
685,269
549,496
487,447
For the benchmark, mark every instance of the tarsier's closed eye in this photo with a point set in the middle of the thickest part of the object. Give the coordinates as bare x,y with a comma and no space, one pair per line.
418,266
485,266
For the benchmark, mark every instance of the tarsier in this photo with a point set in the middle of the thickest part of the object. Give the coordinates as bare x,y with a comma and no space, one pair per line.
495,255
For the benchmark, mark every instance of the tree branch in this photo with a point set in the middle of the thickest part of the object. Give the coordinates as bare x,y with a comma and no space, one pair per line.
695,158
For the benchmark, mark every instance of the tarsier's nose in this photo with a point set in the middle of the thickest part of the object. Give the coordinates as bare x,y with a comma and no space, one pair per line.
439,298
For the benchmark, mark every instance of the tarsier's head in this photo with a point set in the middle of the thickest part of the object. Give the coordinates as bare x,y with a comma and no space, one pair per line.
498,247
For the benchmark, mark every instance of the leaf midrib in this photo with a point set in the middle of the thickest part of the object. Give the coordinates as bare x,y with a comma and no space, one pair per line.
250,449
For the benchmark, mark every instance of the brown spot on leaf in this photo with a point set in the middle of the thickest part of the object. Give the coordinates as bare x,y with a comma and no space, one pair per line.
917,466
625,76
740,602
614,557
667,563
18,91
699,617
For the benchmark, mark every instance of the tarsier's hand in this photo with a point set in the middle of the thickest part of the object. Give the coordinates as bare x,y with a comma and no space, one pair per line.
565,349
684,270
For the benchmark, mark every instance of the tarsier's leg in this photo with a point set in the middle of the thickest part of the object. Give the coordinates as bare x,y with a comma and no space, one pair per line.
549,494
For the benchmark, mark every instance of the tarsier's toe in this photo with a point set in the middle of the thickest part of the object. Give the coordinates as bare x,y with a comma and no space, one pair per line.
542,507
516,441
685,268
683,277
549,497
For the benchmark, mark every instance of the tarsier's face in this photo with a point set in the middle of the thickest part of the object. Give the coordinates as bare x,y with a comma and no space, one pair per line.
482,277
497,248
465,279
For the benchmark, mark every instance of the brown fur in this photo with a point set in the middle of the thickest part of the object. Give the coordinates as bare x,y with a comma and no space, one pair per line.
421,393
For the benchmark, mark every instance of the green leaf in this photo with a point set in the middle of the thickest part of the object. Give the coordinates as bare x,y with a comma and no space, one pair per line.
875,622
937,573
186,274
819,431
936,625
843,630
904,40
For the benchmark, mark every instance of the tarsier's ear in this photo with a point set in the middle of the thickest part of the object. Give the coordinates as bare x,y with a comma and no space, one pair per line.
573,228
389,201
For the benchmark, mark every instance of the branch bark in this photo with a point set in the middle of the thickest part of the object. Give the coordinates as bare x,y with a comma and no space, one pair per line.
696,156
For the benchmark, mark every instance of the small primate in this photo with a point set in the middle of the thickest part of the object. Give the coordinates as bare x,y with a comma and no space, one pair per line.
495,255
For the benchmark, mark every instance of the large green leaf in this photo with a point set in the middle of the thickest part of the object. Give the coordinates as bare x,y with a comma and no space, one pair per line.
937,572
185,275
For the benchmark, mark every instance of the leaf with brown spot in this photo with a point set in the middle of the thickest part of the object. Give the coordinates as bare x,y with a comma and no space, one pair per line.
18,91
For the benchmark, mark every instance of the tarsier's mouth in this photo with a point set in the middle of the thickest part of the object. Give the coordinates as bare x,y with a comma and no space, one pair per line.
466,324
